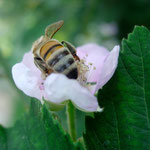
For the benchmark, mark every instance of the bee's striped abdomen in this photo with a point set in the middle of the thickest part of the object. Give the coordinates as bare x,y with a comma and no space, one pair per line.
72,74
57,57
61,68
49,48
63,62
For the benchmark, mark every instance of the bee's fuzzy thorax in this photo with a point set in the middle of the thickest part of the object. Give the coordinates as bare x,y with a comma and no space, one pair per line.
38,43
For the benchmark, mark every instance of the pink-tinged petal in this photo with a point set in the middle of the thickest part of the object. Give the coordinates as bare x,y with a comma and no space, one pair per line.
95,55
58,88
27,80
105,63
28,59
29,62
109,67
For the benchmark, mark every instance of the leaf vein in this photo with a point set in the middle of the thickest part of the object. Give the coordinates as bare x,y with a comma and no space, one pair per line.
117,126
146,107
130,74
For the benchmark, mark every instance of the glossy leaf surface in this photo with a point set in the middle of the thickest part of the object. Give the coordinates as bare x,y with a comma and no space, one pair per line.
125,122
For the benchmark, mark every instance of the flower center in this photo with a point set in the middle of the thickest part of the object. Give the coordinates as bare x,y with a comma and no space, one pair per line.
85,72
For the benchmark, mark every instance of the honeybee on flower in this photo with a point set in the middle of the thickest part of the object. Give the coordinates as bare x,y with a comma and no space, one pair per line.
60,73
51,56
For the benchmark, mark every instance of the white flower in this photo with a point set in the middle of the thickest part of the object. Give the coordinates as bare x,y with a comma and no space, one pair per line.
57,88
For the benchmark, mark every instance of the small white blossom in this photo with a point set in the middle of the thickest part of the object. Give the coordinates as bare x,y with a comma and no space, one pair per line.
57,88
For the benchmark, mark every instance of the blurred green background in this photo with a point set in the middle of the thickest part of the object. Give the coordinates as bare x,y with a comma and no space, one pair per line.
104,22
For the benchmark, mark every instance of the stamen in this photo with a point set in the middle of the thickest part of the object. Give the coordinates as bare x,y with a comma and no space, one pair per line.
85,72
91,83
83,69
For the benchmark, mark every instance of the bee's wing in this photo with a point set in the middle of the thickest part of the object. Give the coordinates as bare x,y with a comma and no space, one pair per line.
53,28
72,49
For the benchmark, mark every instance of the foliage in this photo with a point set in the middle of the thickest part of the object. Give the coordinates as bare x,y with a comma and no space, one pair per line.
124,124
36,130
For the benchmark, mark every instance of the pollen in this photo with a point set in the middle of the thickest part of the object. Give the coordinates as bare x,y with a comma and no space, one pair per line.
82,70
85,73
90,63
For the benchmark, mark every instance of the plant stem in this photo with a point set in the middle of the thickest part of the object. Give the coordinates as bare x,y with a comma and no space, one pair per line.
70,110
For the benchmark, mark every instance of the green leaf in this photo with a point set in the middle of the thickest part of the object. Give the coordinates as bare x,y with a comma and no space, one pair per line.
125,122
37,130
3,139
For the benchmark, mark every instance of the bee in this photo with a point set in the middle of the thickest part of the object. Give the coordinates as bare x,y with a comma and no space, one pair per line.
50,55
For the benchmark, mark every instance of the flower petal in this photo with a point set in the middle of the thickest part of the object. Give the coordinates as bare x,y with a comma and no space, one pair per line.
29,62
108,68
105,63
95,55
27,80
58,88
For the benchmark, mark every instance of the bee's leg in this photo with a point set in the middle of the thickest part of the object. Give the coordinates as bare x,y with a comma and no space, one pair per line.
40,64
71,49
43,67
